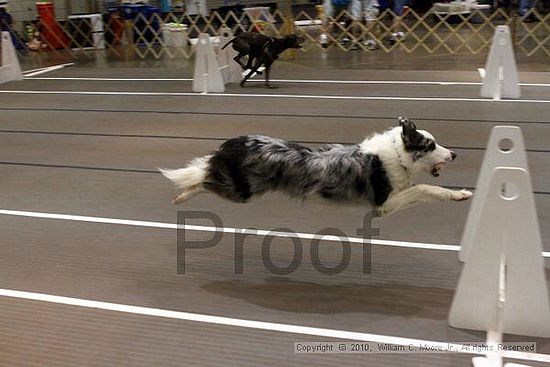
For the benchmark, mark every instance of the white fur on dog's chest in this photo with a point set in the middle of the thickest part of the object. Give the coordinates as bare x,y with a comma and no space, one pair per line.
397,175
384,146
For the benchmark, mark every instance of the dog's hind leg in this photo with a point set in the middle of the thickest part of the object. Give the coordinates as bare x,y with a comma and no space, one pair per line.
188,194
260,61
238,60
248,76
267,71
249,61
190,179
421,194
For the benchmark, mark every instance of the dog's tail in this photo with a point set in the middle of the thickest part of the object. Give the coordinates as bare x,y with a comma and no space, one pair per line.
193,174
227,44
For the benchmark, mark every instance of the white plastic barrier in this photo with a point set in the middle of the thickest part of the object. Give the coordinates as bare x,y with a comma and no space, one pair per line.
504,149
213,71
231,70
500,77
502,288
10,69
503,285
207,77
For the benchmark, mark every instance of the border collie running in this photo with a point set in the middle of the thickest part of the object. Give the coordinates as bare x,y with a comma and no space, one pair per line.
379,171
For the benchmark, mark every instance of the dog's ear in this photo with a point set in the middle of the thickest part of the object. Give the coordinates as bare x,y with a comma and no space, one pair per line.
406,123
409,130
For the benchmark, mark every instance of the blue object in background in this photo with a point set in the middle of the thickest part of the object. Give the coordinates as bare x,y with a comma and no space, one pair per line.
131,11
165,6
384,4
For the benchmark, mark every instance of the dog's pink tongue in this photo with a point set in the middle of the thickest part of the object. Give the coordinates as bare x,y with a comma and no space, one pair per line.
436,168
439,165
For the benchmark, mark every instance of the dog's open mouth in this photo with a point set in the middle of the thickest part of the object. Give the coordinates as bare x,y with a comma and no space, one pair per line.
437,167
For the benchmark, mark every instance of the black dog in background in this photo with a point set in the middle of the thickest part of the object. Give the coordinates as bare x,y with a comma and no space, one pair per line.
261,51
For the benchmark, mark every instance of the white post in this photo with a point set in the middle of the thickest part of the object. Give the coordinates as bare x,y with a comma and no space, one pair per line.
10,69
207,76
506,252
501,74
496,155
231,70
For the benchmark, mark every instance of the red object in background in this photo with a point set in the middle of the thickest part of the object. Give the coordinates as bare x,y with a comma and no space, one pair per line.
50,31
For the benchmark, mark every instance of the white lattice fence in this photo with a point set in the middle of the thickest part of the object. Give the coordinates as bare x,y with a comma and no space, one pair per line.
173,35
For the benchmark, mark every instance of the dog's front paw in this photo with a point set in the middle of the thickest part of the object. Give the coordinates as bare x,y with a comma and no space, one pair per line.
461,195
271,86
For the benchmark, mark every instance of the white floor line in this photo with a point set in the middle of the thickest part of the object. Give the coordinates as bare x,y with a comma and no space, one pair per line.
255,95
31,73
258,325
116,79
33,70
231,230
299,81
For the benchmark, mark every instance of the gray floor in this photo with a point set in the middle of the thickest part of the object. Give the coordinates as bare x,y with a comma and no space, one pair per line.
97,155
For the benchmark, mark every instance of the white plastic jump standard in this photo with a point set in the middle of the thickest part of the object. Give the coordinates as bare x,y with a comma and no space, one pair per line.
231,71
505,263
10,69
207,76
501,74
502,287
494,157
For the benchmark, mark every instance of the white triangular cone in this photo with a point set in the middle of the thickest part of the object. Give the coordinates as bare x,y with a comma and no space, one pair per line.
508,231
501,74
231,70
10,69
494,157
207,76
